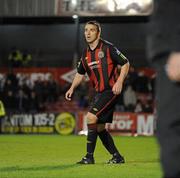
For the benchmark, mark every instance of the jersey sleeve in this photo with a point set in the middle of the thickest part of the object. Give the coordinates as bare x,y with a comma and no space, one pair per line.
117,56
80,67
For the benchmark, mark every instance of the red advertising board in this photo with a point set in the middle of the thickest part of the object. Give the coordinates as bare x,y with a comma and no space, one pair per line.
43,72
123,123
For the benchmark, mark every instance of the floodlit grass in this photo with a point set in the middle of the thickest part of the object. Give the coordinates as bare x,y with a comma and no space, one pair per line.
54,156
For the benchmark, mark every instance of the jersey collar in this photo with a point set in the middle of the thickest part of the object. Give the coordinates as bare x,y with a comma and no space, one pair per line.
97,47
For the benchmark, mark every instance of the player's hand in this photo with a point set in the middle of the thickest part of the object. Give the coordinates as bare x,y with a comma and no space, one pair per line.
117,88
68,94
173,67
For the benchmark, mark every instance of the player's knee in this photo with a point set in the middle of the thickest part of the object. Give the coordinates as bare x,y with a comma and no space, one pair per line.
91,118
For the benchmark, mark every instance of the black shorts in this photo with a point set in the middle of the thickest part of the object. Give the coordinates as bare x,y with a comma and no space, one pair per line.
103,106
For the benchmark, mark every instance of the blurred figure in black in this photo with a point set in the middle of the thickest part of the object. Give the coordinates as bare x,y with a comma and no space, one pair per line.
22,101
53,90
9,92
147,107
164,52
22,97
12,76
142,83
39,92
33,102
132,78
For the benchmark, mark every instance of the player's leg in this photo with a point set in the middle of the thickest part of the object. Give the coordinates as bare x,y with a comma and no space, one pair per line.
91,139
108,143
103,109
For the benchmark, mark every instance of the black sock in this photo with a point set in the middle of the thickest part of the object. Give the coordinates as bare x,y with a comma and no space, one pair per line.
108,142
91,139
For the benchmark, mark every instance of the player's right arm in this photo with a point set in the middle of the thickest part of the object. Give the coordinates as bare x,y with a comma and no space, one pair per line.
77,80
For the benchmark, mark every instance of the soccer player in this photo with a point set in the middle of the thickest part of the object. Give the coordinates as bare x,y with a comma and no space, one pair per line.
100,60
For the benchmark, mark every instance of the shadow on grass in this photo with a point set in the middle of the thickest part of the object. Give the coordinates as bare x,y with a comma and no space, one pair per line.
64,167
38,168
144,161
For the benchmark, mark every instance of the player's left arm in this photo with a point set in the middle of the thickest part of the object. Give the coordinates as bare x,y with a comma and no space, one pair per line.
121,60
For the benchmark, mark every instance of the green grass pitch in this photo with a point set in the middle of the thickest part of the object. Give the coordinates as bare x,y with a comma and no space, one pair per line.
54,156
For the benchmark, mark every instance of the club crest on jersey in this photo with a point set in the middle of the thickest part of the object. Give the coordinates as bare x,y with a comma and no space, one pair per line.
86,59
100,54
95,109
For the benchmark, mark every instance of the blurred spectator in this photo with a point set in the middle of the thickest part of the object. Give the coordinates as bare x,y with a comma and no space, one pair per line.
39,89
39,94
82,94
132,78
9,91
45,91
129,98
120,103
82,89
12,77
53,90
83,101
142,83
26,58
2,83
138,107
33,102
152,84
15,57
24,79
2,112
10,101
22,97
147,107
22,101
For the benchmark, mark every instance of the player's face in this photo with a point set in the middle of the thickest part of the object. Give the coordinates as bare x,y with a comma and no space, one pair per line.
91,33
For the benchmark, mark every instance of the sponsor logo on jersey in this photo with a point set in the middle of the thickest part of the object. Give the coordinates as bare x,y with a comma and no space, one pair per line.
93,63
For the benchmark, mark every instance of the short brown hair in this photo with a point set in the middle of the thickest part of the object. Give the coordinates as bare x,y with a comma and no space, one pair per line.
97,24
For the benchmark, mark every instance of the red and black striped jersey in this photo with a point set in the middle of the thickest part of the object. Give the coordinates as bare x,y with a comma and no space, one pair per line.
101,64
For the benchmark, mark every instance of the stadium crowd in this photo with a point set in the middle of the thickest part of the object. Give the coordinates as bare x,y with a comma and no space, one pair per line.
20,94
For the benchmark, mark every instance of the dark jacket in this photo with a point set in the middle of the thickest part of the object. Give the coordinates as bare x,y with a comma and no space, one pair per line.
164,29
